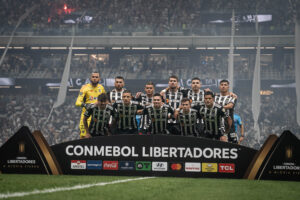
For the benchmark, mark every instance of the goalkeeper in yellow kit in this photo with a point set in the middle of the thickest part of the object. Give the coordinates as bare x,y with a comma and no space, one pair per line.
87,97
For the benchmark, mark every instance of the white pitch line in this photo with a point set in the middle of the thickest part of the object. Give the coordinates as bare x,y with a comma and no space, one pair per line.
60,189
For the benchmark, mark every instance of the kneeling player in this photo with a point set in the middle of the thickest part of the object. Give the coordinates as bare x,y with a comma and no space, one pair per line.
100,116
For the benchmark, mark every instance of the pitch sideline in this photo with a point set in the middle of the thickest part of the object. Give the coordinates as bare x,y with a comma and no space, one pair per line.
60,189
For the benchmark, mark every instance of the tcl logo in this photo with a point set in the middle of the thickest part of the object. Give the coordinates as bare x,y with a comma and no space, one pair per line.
110,165
227,168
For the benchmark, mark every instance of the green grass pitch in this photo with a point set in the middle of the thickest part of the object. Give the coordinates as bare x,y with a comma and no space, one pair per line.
148,189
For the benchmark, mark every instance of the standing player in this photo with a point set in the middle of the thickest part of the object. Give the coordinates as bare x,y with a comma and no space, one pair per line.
146,98
156,116
117,92
238,122
125,112
88,95
228,101
100,115
188,118
195,94
213,116
173,96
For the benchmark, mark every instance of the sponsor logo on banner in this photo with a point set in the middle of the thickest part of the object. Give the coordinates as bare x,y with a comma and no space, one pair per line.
94,164
126,165
78,164
160,166
192,167
209,167
110,165
143,166
176,167
226,167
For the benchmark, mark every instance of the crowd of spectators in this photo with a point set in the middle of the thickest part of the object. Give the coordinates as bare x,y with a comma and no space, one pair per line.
277,115
147,66
155,17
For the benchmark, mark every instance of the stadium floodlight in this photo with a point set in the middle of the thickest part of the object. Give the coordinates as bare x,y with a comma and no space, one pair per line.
270,47
140,48
18,86
99,48
200,48
79,47
18,47
164,48
2,47
116,48
222,47
183,48
126,48
289,47
35,47
245,47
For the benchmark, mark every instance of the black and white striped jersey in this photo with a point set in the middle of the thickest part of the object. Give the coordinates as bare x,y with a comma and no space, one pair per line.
99,120
157,119
197,98
225,100
144,100
213,119
125,115
188,122
173,99
114,95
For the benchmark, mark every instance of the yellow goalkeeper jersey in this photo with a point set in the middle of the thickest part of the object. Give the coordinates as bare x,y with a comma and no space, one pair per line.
89,94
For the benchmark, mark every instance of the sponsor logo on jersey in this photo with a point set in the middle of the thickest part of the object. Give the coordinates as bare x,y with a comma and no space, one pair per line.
192,167
176,167
160,166
94,164
209,167
226,167
126,165
78,164
143,166
110,165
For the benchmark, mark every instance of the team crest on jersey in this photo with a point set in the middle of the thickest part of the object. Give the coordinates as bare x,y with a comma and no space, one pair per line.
100,90
81,93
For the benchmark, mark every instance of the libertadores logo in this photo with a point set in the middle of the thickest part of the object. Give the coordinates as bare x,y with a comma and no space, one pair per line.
110,165
78,164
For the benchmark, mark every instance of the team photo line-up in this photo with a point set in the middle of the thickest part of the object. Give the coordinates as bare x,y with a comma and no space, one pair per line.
174,111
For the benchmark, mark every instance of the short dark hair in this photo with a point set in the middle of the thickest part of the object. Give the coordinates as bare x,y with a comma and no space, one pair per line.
224,81
209,93
185,99
127,91
103,97
196,78
150,83
173,76
119,77
157,95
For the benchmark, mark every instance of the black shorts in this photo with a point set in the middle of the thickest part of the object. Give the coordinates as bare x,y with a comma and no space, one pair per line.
126,131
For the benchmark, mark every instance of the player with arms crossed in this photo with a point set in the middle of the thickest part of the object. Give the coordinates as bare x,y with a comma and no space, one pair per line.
87,96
